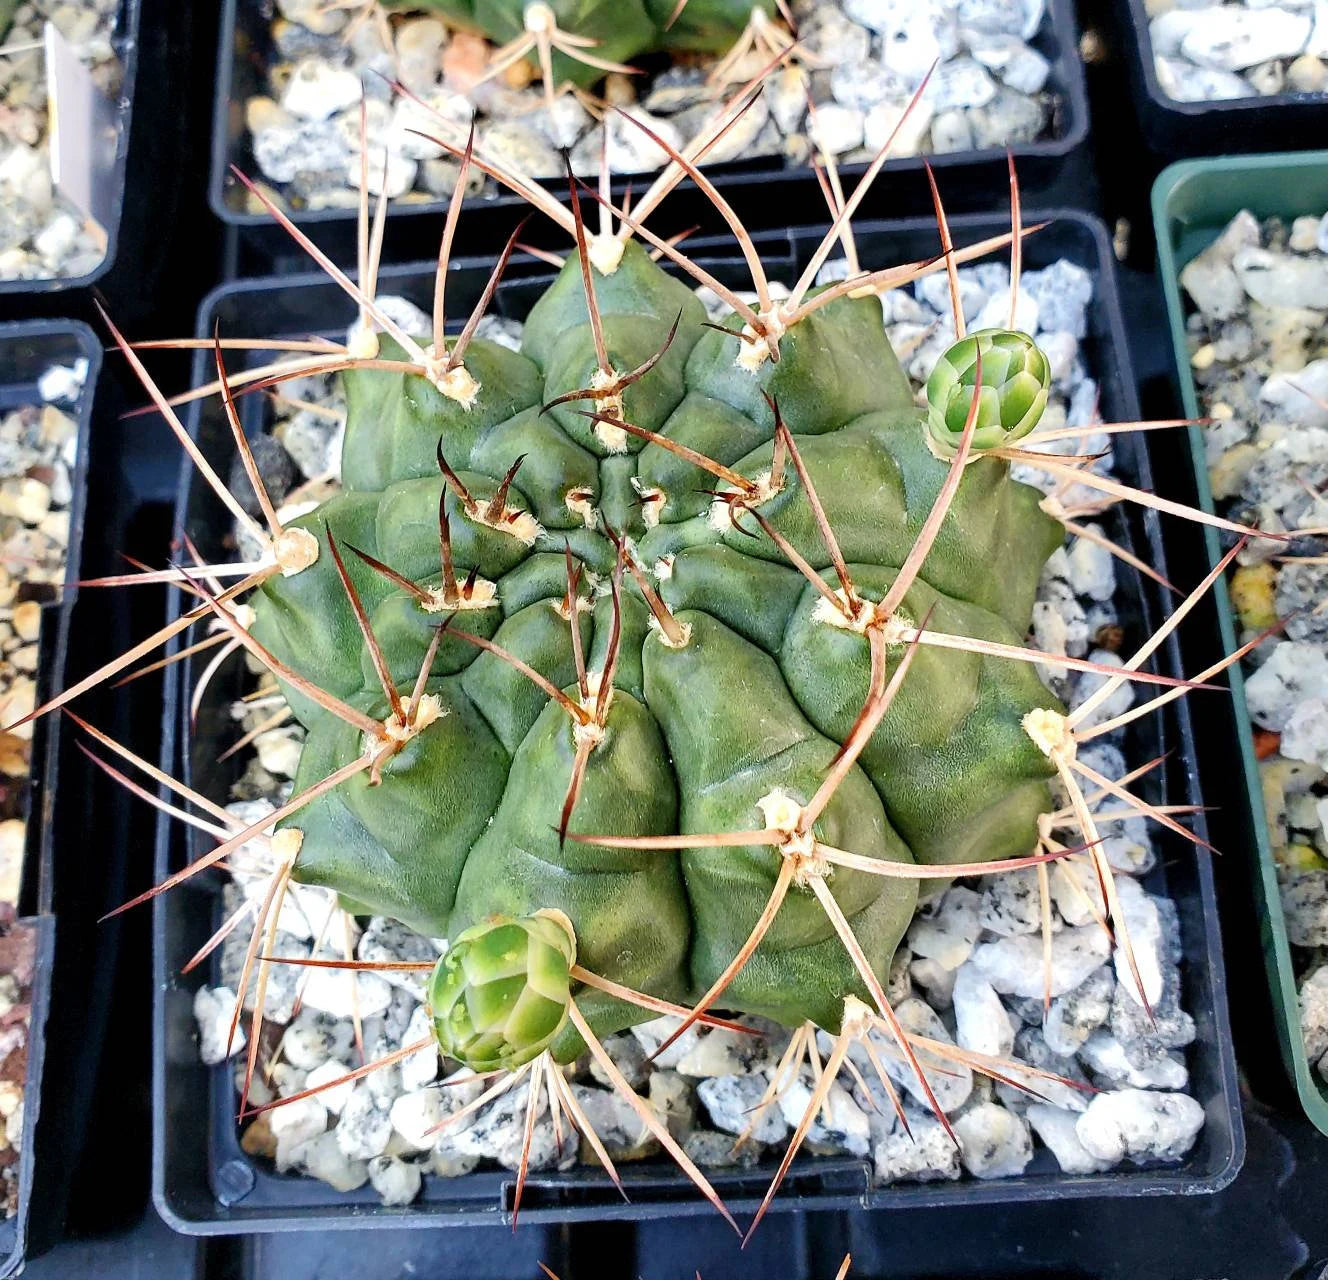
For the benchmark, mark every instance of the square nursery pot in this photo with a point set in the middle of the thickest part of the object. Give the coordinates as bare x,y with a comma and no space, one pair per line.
205,1184
1051,171
27,351
125,43
1175,129
1192,203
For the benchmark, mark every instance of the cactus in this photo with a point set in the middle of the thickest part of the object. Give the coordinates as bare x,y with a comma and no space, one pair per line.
577,41
661,665
730,698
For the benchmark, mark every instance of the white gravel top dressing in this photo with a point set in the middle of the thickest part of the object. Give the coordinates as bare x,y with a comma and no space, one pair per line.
1258,358
1206,52
969,971
41,234
862,61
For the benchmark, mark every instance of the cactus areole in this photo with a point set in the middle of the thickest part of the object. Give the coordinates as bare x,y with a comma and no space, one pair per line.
706,682
592,36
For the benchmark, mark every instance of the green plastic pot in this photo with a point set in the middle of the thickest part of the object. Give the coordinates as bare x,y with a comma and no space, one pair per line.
1192,202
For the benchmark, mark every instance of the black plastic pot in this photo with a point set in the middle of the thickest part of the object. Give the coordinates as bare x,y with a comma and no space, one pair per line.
125,43
204,1183
1174,130
1054,170
26,352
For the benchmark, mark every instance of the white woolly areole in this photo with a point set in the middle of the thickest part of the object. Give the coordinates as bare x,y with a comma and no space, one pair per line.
720,515
429,710
858,1018
243,614
584,604
294,551
1051,733
520,524
455,383
592,732
652,502
684,633
605,253
539,18
753,347
752,350
783,813
396,734
780,810
483,595
578,502
663,570
285,844
613,438
847,617
362,341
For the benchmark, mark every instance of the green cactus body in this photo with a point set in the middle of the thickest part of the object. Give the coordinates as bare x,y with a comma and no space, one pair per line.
622,29
701,736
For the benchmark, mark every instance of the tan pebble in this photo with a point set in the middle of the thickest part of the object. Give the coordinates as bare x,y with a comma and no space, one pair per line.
55,525
10,1096
254,205
619,91
1228,473
19,700
34,501
278,752
258,1139
263,113
465,61
57,427
1204,357
1253,590
27,620
1307,74
14,753
25,659
12,838
519,74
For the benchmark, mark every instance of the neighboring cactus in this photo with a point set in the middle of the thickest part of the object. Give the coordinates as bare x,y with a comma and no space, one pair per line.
577,41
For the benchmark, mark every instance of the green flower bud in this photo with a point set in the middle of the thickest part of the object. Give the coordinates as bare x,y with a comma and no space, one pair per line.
500,994
1015,378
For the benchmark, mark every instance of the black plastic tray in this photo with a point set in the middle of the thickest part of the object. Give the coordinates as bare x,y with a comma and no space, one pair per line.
204,1184
125,44
26,351
972,180
1275,121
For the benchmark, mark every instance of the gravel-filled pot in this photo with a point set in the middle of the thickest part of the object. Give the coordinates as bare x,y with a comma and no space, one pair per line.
48,373
206,1181
1225,78
770,146
1211,218
44,247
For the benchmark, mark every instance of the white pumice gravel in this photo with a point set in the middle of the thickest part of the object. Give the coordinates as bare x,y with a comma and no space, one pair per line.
43,235
1255,341
969,972
864,62
1205,52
